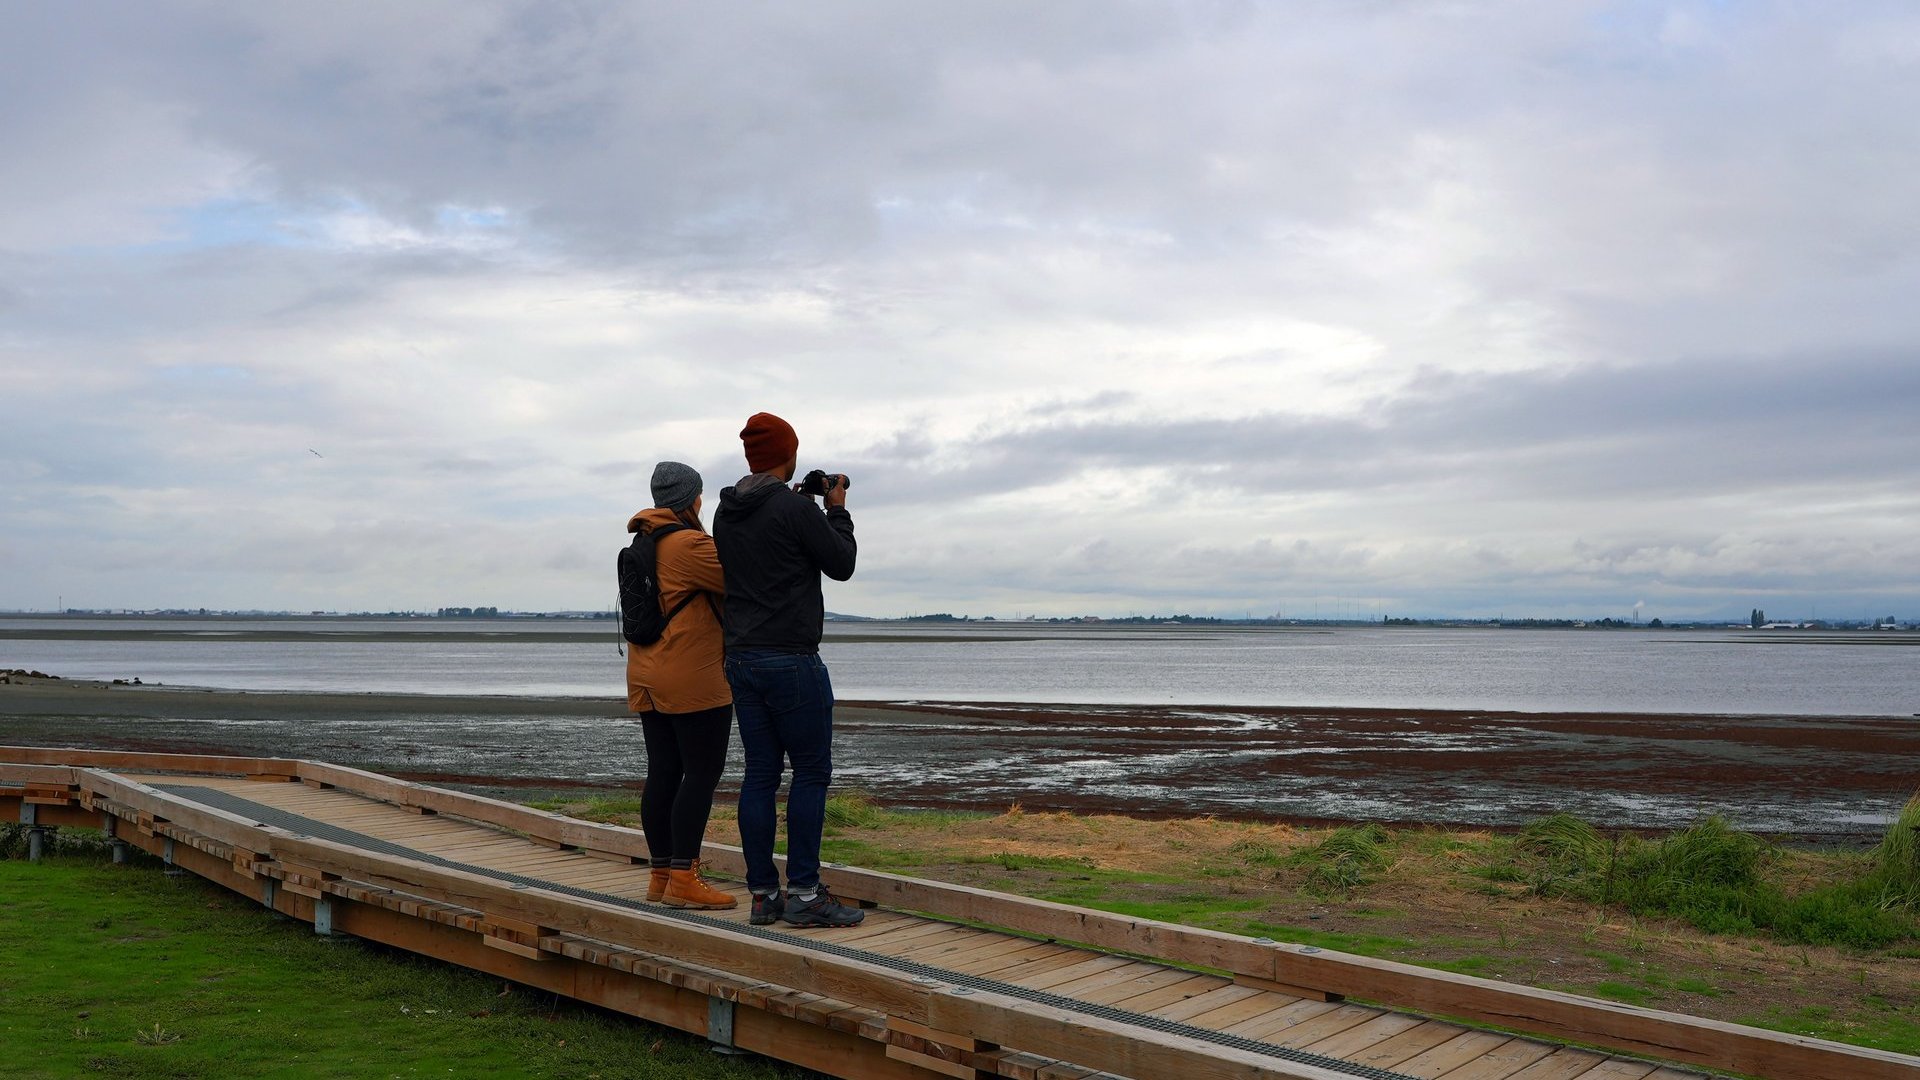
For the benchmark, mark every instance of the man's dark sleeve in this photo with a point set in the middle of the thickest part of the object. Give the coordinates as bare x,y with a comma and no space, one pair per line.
828,538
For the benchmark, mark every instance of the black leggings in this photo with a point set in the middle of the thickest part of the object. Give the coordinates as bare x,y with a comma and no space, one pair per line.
685,755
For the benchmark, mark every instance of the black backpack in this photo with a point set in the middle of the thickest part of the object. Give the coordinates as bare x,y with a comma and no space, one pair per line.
641,619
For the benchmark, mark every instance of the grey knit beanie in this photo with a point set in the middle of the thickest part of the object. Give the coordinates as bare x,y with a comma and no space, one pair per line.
675,486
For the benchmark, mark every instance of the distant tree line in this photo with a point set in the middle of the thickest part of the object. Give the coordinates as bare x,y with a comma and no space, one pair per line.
469,612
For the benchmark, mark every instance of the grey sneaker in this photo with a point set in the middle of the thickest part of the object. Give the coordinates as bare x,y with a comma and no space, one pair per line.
822,910
766,909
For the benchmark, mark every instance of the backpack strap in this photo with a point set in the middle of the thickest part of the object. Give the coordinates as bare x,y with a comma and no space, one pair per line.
655,535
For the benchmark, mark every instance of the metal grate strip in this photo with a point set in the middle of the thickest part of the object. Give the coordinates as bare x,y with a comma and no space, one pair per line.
300,824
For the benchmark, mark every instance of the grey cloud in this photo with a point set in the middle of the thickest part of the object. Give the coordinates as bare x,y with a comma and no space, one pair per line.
1717,426
1651,270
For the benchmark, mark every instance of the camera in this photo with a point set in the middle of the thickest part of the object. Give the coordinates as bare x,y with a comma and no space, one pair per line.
819,482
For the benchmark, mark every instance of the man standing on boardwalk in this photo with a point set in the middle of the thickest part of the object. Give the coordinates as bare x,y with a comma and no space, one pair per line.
774,544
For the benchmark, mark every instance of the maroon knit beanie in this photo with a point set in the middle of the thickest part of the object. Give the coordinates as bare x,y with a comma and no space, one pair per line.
769,441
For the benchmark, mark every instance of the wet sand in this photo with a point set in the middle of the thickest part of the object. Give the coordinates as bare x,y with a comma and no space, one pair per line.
1817,777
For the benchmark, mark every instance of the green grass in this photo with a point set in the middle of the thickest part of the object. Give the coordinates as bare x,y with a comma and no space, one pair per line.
1346,859
1625,993
1891,1027
122,971
1721,880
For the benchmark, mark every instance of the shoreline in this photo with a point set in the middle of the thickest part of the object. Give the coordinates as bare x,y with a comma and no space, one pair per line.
1824,779
23,694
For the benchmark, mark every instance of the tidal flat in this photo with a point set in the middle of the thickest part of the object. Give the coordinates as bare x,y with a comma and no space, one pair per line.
1819,778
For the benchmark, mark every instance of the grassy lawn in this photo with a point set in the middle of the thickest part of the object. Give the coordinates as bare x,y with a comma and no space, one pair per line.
122,971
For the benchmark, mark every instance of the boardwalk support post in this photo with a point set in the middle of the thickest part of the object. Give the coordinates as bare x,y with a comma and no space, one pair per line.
720,1027
166,856
110,825
323,916
269,892
36,835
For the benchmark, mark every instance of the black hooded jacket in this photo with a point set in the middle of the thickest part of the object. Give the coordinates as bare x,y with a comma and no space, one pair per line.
774,544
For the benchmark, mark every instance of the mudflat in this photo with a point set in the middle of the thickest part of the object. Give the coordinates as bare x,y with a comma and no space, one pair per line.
1819,777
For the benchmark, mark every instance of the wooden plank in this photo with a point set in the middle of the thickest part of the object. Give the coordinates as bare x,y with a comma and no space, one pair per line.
1621,1069
955,943
933,1065
1124,975
1357,1039
1334,1021
1127,989
1050,970
904,949
1452,1054
16,773
1186,1011
1563,1064
1191,987
991,959
1503,1061
1273,1025
914,930
1251,1011
1410,1043
124,759
1106,1045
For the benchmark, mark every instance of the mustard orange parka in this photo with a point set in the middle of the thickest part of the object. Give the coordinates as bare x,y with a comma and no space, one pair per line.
683,671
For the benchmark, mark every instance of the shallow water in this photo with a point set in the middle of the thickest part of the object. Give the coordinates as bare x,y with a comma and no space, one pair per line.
1762,673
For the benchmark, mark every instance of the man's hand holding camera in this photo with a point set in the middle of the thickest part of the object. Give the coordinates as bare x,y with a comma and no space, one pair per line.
831,487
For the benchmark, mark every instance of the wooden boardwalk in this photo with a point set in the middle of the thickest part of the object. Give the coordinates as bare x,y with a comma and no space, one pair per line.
940,981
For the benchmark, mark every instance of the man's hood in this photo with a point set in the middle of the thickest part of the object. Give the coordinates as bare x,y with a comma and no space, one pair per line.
749,495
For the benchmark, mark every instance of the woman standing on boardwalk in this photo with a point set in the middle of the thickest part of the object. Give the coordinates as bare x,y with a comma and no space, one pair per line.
679,687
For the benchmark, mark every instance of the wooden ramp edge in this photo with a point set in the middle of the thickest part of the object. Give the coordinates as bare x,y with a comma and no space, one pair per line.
848,1012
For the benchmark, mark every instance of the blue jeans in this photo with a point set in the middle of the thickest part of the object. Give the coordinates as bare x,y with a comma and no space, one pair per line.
784,703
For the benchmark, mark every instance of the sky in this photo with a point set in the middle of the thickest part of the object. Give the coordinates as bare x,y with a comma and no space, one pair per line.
1301,308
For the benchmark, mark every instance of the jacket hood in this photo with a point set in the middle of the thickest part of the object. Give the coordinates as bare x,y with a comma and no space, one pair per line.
653,518
749,495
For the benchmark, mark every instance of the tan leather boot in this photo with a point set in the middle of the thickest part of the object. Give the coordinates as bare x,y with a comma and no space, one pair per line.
687,889
656,884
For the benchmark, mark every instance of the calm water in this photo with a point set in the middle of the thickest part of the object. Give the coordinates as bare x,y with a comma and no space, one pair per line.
1780,769
1528,670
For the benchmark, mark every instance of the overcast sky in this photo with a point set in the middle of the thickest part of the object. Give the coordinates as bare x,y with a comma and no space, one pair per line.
1366,308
